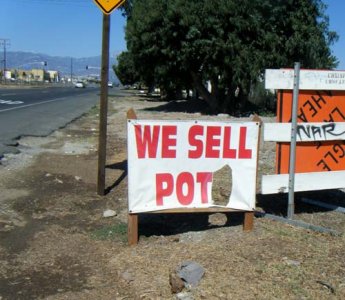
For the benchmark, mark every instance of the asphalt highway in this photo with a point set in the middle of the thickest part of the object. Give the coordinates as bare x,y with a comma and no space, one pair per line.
39,111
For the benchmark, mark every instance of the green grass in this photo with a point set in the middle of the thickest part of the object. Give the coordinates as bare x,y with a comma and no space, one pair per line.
93,111
111,232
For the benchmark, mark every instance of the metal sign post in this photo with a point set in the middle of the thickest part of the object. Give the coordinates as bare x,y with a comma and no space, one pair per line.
291,202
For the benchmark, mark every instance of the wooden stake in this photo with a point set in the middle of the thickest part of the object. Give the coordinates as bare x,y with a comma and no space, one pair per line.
133,234
248,221
132,229
131,114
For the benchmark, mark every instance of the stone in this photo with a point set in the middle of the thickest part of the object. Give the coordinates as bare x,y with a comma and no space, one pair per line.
58,181
191,273
184,296
109,213
127,276
217,219
176,283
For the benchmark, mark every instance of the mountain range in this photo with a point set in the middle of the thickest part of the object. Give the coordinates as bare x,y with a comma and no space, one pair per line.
65,65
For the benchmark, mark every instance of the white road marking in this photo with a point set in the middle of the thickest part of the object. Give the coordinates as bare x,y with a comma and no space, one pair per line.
9,94
10,102
34,104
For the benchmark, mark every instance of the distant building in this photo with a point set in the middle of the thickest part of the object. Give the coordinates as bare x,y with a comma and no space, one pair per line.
54,76
24,75
8,74
39,75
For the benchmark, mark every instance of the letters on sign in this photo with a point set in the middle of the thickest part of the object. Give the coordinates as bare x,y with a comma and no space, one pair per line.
172,164
318,131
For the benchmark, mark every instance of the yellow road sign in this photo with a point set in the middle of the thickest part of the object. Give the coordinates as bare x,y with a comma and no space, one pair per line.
107,6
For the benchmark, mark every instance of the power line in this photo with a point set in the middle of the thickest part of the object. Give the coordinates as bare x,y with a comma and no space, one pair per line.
54,2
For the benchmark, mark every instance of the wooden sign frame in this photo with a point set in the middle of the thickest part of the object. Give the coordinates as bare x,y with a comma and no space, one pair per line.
133,218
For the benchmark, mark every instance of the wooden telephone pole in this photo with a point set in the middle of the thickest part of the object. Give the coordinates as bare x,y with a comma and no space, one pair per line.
102,141
107,6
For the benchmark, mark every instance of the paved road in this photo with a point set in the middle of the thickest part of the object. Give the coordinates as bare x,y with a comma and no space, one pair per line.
39,111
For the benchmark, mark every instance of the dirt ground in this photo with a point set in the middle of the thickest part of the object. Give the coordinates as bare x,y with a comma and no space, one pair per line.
56,244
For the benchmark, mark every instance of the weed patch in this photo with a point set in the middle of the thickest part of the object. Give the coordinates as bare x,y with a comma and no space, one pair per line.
111,232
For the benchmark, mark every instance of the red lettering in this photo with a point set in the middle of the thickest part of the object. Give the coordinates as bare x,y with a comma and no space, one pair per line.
242,151
184,187
164,187
227,151
185,179
147,141
212,141
168,142
204,178
195,131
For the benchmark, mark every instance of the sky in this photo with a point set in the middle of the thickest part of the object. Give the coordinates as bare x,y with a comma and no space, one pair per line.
336,11
74,27
58,27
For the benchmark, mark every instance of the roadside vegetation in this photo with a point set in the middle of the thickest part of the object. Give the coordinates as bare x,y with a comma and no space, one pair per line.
220,49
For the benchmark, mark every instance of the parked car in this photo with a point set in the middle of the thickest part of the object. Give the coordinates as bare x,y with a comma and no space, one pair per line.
79,84
110,84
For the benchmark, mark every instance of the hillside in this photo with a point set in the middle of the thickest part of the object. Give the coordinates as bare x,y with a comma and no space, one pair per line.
29,60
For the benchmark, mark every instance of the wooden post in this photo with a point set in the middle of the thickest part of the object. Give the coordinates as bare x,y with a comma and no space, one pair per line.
131,114
248,222
133,234
132,229
103,111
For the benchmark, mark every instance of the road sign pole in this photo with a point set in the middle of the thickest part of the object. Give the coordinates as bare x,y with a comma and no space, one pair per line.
102,141
291,202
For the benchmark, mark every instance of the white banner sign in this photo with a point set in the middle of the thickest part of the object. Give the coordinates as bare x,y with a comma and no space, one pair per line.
282,79
171,163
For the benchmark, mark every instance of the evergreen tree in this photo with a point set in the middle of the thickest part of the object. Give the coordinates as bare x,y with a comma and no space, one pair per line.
177,44
125,69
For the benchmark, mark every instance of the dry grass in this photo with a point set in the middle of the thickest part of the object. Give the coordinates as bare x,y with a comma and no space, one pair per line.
64,249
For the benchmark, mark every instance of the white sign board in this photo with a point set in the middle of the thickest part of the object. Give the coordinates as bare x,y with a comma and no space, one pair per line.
171,163
313,181
282,79
306,132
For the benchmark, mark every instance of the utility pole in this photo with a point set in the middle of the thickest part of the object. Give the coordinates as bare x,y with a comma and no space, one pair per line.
5,43
107,7
71,70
